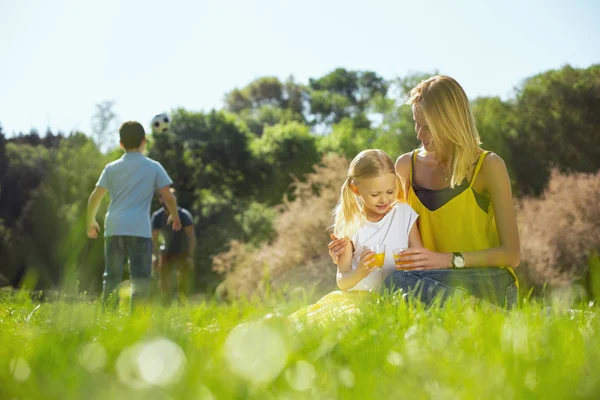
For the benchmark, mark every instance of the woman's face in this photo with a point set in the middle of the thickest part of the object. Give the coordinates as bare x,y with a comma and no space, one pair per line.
423,132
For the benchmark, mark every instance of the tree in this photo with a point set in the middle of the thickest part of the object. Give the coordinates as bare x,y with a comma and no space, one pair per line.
267,102
55,218
557,125
104,123
342,93
347,139
284,153
258,119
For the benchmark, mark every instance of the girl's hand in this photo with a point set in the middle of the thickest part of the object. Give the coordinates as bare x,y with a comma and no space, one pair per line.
336,247
420,258
365,262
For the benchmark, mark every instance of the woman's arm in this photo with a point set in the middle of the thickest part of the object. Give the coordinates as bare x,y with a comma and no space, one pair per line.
346,278
497,184
336,247
414,237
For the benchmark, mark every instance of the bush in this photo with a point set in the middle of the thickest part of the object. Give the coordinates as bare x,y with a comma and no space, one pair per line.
560,231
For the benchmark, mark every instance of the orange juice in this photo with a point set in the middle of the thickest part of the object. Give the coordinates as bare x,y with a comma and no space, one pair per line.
378,260
401,261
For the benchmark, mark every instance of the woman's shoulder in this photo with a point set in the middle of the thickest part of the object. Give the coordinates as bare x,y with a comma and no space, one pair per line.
493,172
492,164
403,164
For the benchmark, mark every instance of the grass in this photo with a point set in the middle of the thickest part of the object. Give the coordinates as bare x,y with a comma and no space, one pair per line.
60,350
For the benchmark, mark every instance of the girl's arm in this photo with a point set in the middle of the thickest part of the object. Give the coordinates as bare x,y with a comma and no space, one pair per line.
346,278
497,184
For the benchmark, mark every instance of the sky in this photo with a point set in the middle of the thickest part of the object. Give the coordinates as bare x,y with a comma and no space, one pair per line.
60,58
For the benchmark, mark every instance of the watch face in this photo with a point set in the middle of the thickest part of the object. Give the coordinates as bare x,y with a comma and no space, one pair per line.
458,261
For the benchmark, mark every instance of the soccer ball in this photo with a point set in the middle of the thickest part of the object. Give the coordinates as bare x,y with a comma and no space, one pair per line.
161,123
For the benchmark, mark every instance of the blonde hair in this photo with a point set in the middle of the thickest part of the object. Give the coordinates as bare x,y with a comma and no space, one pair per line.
446,109
348,214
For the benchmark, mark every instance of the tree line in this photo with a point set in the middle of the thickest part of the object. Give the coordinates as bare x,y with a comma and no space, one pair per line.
235,166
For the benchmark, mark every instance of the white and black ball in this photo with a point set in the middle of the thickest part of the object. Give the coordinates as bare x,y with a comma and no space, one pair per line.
161,123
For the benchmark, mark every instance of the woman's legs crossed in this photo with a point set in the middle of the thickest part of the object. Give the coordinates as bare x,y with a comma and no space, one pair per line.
494,285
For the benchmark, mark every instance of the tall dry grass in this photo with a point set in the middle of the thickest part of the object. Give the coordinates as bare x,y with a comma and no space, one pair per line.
560,230
298,256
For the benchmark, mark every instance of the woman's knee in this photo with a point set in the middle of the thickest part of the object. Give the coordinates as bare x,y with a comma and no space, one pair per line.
399,280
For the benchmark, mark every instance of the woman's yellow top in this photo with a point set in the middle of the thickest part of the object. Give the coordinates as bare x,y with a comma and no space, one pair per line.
459,225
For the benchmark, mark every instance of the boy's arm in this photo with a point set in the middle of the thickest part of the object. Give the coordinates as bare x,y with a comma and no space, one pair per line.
92,209
187,223
155,249
171,204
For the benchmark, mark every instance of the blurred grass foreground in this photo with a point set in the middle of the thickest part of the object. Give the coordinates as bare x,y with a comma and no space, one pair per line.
210,350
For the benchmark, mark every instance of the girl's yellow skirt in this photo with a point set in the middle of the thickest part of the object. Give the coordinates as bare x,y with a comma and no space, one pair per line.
338,305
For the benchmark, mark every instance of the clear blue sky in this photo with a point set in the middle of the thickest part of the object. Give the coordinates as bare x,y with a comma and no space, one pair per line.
59,58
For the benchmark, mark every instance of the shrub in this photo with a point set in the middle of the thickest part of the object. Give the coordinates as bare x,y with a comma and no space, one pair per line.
560,231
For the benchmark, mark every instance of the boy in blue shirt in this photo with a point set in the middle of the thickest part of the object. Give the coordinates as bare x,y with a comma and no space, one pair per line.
131,181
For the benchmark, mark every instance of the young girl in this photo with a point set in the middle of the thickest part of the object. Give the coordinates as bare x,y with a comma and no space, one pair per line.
370,212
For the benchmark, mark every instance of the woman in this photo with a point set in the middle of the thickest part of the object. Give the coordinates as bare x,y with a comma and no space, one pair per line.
464,200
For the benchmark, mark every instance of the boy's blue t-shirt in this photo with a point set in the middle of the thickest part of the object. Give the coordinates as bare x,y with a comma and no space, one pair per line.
131,182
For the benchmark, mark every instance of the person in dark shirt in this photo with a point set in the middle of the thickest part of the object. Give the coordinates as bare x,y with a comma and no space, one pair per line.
176,253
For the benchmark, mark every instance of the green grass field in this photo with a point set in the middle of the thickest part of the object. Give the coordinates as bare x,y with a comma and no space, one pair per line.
392,351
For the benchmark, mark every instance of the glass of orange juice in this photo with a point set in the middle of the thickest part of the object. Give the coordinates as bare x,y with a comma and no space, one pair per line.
379,250
398,259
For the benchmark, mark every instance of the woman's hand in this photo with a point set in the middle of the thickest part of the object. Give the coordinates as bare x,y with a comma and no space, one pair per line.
365,263
336,247
420,258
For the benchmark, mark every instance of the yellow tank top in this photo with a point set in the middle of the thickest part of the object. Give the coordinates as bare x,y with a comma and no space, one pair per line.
460,225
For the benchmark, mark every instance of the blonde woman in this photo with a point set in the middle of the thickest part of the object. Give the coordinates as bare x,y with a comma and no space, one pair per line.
463,197
370,211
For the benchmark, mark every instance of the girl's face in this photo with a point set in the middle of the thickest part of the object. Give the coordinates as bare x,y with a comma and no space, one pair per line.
377,193
423,132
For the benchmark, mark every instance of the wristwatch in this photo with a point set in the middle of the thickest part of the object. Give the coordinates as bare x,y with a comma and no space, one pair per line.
457,260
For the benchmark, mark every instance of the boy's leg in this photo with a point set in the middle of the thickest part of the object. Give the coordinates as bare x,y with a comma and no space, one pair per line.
114,256
185,276
166,268
140,264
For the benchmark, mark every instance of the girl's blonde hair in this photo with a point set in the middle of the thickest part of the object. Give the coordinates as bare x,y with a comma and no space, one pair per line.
445,107
349,215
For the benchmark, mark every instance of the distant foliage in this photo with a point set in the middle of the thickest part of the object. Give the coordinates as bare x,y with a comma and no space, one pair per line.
242,172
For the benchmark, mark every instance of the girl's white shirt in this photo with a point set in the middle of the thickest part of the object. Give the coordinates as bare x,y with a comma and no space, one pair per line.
393,231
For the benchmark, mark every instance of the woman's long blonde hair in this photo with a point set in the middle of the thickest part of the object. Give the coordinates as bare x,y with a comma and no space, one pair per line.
445,107
348,214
